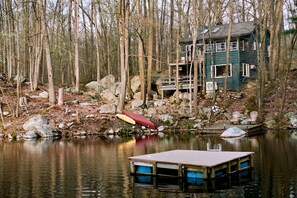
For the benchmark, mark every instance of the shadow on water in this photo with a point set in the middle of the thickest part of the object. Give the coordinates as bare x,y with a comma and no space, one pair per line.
193,185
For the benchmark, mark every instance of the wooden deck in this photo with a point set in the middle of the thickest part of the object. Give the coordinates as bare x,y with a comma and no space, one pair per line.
191,163
251,129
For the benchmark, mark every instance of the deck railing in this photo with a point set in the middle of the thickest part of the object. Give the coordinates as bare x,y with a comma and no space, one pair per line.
169,83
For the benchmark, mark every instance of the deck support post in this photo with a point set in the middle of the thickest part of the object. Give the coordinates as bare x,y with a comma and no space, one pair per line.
180,170
154,169
132,167
229,168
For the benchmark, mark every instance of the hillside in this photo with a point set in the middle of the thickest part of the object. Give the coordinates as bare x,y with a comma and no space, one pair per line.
79,114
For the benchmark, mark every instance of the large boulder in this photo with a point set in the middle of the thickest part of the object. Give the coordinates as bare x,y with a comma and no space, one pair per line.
108,97
233,132
135,83
47,131
116,89
35,121
136,103
30,135
95,86
108,81
292,118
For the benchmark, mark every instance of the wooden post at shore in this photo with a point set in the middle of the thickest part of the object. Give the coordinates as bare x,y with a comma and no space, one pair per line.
61,98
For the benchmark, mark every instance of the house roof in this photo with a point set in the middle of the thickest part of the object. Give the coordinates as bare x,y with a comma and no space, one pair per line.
221,31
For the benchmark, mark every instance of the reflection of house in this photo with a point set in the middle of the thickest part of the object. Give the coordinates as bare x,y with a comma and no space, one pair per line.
211,49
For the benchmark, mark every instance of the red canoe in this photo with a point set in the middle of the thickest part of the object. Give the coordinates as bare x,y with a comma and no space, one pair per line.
139,119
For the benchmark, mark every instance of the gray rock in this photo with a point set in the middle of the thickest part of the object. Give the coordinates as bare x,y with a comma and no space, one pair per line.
95,86
159,103
108,81
35,121
166,118
161,128
292,117
233,132
5,113
116,89
135,83
29,135
108,97
150,112
21,78
137,96
43,94
46,131
136,103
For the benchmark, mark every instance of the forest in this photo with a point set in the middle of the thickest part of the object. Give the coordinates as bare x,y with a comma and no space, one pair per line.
69,43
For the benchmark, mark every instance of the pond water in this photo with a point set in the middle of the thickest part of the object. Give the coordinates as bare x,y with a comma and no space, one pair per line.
99,167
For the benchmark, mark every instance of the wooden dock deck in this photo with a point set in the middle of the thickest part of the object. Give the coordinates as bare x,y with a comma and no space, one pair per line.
251,129
191,163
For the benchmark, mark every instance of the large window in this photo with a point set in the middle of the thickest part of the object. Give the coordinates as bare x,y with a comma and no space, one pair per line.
219,71
233,45
221,46
245,70
209,48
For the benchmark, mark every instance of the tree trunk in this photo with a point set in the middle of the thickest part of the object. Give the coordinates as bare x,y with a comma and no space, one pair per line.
178,2
51,87
150,47
228,53
194,58
97,43
70,64
76,60
140,52
122,31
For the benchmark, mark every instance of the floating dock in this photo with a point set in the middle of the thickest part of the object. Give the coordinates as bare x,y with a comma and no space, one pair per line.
251,129
191,163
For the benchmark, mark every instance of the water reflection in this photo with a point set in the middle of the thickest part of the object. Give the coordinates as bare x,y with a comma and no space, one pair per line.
99,167
195,185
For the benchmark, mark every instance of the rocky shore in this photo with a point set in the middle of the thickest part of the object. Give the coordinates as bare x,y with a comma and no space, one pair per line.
92,112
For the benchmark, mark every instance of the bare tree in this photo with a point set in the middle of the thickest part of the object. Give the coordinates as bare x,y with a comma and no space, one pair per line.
227,68
150,47
177,50
97,42
122,12
194,57
140,52
51,87
76,60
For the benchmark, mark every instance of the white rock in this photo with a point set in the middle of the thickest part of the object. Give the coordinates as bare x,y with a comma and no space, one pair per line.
43,94
35,121
135,83
233,132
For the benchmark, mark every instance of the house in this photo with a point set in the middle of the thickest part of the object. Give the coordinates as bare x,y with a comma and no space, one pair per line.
211,55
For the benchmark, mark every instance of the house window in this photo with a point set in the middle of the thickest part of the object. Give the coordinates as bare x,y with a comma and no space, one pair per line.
244,45
221,46
255,45
209,48
233,45
219,71
245,70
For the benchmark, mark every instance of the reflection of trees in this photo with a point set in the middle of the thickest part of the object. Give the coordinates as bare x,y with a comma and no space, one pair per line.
96,166
278,163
